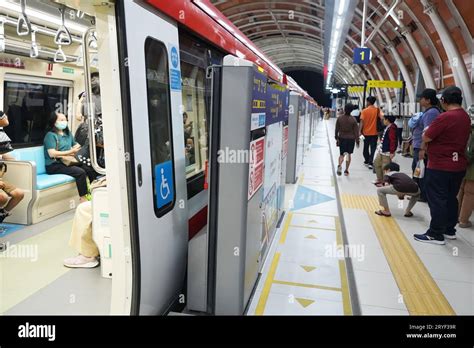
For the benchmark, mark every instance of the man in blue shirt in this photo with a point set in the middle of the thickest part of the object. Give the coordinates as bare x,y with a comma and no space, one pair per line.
418,124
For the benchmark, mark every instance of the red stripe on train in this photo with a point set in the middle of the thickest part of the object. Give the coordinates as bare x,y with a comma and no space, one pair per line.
197,222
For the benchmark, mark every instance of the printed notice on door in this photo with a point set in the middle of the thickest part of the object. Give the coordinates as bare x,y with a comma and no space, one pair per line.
257,149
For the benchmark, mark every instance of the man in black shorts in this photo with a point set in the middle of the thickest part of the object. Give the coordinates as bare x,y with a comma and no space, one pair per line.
347,135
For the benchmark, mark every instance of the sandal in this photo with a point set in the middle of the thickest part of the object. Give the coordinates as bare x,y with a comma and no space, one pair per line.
346,172
381,213
410,214
339,169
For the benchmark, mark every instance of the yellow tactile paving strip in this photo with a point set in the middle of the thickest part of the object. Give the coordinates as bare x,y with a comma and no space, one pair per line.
344,289
421,294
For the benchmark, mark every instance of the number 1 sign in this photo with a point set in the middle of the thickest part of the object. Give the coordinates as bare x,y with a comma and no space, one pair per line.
362,55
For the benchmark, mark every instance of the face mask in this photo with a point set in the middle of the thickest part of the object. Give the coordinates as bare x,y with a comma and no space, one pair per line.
61,125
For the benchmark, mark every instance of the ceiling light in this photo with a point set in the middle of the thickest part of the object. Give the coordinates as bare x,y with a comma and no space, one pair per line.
338,23
342,5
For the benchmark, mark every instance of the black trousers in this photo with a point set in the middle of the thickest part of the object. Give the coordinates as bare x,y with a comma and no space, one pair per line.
399,136
441,189
370,143
80,173
420,182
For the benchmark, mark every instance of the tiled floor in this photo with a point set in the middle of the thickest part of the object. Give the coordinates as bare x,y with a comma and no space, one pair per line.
302,274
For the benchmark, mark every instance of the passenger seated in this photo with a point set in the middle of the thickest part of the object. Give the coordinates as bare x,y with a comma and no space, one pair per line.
60,142
399,184
8,193
81,235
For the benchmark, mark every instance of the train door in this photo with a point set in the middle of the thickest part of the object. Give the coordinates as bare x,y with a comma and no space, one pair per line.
158,159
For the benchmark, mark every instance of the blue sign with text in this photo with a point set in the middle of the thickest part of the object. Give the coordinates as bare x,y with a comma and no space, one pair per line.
164,184
175,73
362,55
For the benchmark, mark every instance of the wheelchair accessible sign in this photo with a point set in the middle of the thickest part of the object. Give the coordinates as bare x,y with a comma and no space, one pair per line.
164,184
175,73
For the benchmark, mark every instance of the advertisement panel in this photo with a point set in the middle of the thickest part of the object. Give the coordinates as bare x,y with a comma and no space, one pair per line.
257,151
259,101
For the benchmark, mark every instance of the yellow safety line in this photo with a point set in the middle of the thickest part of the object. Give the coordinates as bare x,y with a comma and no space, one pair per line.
284,232
421,294
313,228
346,298
316,214
304,285
268,284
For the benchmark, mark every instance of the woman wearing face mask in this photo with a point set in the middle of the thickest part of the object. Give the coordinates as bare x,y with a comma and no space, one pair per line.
60,142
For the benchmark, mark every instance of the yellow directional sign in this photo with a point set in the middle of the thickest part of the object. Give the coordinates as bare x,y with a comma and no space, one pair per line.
304,302
384,84
355,89
308,268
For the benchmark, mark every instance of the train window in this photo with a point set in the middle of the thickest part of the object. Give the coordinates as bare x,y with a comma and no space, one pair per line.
159,118
196,56
194,118
28,106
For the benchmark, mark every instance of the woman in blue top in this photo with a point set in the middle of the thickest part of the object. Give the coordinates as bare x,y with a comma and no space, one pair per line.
60,142
418,123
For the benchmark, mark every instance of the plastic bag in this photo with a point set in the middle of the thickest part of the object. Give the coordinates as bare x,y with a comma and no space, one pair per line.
419,170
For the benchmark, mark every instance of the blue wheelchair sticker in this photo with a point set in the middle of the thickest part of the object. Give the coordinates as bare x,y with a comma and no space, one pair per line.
174,57
164,184
175,73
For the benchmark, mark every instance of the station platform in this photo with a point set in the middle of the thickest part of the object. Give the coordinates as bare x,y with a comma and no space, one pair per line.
381,270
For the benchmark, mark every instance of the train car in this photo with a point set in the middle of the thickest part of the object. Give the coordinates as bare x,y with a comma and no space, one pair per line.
153,109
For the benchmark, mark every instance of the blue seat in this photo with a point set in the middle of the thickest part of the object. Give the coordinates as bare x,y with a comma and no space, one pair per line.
43,180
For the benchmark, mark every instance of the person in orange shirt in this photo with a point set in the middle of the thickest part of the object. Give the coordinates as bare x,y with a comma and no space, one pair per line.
368,128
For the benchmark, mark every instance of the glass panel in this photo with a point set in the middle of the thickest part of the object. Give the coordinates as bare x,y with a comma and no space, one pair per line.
159,118
28,107
194,118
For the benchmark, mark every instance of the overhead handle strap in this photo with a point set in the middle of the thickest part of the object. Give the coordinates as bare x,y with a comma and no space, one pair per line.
34,52
23,27
2,34
59,56
63,36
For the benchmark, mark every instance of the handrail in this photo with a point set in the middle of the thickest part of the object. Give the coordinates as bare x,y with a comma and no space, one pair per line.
90,106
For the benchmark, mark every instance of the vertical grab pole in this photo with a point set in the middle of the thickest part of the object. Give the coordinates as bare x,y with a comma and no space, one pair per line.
364,18
90,106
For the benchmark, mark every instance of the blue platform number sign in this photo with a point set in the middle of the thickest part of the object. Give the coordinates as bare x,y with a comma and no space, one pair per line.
362,55
175,74
164,184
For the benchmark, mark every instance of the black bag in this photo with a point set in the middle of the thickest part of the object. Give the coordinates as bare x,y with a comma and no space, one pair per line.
5,143
82,133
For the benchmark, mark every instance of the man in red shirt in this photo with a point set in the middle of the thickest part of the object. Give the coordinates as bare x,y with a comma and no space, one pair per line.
446,140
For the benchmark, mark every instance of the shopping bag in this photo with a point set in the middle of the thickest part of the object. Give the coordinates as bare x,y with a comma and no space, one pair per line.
419,170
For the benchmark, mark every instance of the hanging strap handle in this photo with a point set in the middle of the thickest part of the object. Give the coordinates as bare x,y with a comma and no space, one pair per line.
34,52
23,27
59,56
63,36
2,34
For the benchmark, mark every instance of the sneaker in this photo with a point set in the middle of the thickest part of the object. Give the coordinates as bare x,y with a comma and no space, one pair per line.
465,224
450,236
370,166
339,170
81,261
425,238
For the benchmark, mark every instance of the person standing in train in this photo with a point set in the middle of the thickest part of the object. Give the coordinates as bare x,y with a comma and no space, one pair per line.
347,135
368,128
466,192
445,142
59,142
430,103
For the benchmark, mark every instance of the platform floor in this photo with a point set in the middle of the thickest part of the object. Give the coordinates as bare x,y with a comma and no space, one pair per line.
385,272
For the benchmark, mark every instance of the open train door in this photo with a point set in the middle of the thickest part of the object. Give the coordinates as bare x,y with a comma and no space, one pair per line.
151,75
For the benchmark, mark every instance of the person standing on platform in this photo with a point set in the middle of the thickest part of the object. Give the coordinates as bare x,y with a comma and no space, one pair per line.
466,193
430,103
368,128
399,124
445,141
347,135
386,149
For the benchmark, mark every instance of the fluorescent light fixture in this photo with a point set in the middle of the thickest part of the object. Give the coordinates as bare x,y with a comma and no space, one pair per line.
342,6
32,13
206,8
338,23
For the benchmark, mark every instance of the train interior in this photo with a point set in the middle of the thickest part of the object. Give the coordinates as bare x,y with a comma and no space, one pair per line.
42,70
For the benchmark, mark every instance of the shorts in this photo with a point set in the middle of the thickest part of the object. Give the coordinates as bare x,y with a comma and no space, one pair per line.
346,146
8,188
